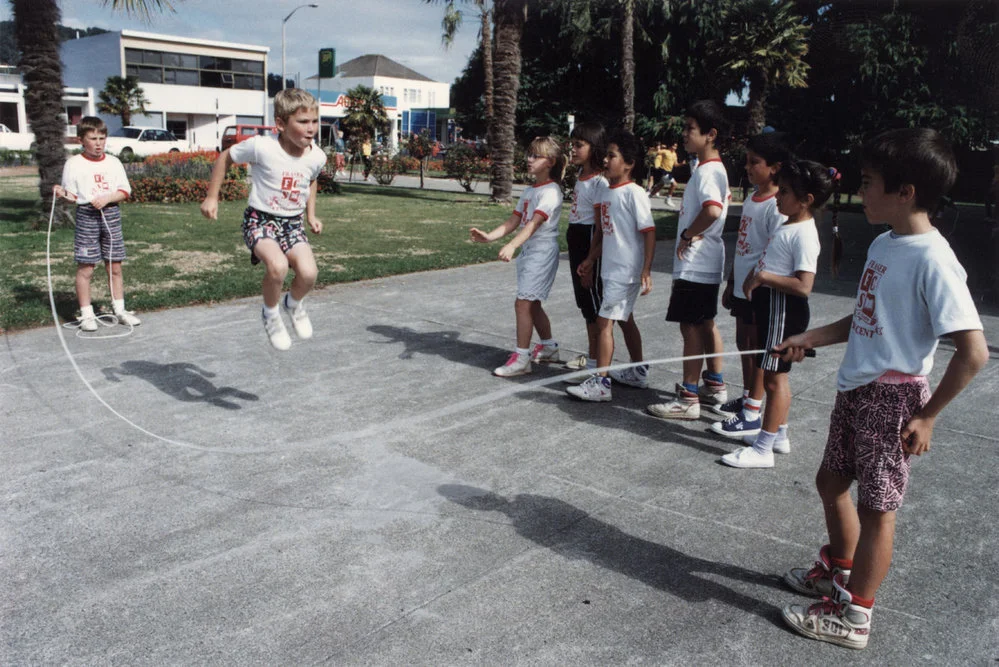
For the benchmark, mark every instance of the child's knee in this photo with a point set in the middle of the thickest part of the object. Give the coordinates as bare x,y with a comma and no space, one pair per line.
85,270
830,485
277,267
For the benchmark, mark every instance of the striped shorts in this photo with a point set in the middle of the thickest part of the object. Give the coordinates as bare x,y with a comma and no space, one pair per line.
779,316
98,238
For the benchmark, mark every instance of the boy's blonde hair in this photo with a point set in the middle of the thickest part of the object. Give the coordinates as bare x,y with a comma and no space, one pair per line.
91,124
549,148
290,100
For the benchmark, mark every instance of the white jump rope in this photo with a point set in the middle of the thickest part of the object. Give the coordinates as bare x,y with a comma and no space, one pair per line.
482,399
105,319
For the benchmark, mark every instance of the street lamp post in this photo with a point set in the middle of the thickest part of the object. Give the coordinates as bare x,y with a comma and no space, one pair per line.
284,79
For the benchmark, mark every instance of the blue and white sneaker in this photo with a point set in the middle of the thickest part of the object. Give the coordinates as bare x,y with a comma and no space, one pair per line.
730,408
596,388
636,376
737,427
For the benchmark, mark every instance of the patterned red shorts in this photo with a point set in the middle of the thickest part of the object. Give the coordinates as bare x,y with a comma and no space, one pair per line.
865,443
259,225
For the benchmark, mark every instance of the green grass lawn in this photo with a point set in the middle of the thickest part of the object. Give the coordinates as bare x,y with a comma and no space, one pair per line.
177,258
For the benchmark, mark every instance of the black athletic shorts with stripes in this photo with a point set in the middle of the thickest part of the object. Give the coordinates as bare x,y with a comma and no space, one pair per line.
778,316
588,299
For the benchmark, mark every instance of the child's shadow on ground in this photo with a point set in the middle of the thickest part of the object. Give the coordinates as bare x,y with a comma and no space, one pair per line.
573,533
445,344
183,381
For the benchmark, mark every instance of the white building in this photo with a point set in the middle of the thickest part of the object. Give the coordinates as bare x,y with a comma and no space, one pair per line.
195,87
76,103
413,100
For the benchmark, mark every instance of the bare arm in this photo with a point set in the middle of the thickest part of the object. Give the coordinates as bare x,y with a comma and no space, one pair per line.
315,224
585,268
210,206
520,238
110,198
800,284
499,232
650,251
972,353
707,217
793,349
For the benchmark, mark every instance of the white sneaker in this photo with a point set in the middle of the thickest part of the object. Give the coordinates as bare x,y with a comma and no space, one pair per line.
636,376
817,581
545,354
670,202
835,620
278,335
516,364
781,445
747,457
88,323
577,363
596,388
682,407
299,318
127,317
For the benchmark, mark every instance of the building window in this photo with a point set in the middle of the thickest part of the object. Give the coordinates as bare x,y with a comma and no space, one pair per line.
185,69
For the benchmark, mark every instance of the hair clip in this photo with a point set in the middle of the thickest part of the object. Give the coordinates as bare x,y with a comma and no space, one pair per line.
833,174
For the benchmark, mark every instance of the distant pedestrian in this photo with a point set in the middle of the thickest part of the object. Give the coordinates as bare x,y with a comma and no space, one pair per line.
913,291
535,221
282,188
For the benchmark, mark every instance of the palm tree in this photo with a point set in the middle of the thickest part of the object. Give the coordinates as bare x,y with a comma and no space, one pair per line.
35,26
581,27
365,117
122,96
766,46
508,20
453,17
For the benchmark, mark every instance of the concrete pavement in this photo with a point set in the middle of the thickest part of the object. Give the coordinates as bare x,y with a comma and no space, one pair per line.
375,496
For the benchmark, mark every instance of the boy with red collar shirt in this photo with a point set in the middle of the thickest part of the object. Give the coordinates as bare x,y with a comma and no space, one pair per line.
97,182
913,292
699,266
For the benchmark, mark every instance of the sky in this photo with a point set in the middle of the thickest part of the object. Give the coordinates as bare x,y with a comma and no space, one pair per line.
407,31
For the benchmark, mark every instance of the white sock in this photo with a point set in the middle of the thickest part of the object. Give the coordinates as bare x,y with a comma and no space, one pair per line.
782,432
591,363
745,394
751,409
764,442
290,302
270,312
118,305
549,342
86,311
523,351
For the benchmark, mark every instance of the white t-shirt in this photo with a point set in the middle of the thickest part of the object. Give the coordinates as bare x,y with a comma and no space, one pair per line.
704,261
279,183
546,199
794,247
584,199
88,179
760,221
625,216
912,292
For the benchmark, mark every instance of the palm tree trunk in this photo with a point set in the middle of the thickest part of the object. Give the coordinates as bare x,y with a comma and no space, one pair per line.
628,63
487,63
759,89
509,17
35,24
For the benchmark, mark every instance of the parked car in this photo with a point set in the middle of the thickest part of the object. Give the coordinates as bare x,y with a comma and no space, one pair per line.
130,141
237,133
15,141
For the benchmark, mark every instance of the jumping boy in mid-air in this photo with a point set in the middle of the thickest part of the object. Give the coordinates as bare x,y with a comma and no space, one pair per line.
282,188
913,291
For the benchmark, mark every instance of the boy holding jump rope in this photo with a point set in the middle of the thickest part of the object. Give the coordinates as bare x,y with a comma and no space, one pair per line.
97,182
282,189
913,291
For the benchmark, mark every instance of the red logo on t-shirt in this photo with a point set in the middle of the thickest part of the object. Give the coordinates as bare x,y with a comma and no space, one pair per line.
741,245
866,301
289,188
606,226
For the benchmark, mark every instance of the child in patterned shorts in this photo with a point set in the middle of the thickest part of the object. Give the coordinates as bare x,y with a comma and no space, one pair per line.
912,292
282,188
